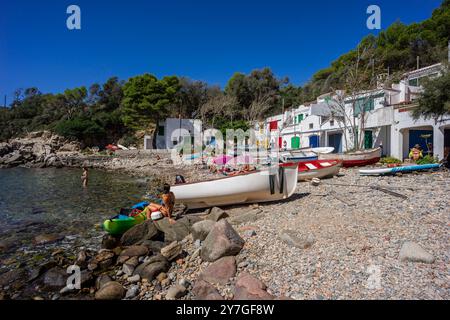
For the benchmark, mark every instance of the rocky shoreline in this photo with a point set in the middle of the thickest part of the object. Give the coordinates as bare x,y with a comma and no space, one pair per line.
195,258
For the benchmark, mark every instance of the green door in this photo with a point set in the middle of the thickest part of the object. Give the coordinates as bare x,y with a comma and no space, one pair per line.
295,142
368,140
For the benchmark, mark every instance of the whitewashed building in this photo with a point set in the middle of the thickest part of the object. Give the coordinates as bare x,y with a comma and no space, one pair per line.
388,121
173,131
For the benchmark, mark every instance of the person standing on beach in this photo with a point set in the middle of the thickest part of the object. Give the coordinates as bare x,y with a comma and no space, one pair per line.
85,177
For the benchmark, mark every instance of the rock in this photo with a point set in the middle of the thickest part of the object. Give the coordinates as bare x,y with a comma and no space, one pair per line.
201,229
127,269
245,217
220,271
175,292
154,246
315,182
132,292
54,279
249,233
215,214
5,148
135,251
154,266
413,252
110,291
104,259
203,290
222,241
135,278
292,238
139,233
185,283
133,261
171,251
161,276
14,158
248,287
174,232
110,242
47,238
102,280
11,276
81,258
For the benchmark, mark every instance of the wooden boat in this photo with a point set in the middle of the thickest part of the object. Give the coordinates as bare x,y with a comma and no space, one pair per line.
354,159
403,169
318,169
270,184
297,156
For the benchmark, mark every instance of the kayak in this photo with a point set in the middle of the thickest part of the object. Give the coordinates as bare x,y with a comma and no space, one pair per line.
403,169
127,219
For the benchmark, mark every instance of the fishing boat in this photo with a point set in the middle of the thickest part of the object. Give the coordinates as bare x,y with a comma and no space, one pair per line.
394,170
354,159
318,169
304,154
265,185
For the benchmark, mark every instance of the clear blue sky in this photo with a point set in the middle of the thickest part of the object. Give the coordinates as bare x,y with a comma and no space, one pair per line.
203,39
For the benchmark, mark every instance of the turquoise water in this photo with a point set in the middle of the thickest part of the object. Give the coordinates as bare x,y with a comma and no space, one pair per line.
56,196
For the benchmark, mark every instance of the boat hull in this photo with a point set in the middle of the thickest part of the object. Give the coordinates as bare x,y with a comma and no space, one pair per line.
323,169
404,169
355,159
245,188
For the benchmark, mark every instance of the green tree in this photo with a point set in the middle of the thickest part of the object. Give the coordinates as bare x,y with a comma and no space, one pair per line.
147,99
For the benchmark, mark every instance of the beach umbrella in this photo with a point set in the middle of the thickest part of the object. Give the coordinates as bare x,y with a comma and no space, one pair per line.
242,159
222,159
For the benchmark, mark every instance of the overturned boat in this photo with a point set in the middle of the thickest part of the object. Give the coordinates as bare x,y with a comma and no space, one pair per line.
265,185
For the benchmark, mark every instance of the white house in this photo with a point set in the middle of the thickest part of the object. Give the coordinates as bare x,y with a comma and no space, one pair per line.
388,121
172,131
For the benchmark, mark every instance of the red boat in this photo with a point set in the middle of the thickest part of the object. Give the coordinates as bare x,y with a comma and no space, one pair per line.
318,169
354,159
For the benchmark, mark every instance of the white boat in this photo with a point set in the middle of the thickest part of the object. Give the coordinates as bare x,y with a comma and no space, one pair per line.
253,187
323,150
318,169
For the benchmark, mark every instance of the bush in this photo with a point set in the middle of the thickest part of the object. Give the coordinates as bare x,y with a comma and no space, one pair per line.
129,140
427,160
390,160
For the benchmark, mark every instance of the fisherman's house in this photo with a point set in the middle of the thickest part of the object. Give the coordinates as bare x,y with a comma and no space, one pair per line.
173,131
388,123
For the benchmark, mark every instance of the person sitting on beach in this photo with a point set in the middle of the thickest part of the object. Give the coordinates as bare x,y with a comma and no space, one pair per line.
416,153
85,177
245,169
165,205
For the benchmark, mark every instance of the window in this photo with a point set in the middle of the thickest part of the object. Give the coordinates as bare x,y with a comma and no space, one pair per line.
300,118
414,82
366,103
311,125
331,122
160,130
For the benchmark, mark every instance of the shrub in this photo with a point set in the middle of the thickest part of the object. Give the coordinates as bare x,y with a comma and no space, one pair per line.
427,160
390,160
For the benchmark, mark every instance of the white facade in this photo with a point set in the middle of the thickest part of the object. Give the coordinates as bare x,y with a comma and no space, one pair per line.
388,121
172,131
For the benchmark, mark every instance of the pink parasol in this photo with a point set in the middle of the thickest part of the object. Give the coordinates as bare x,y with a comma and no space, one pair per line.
222,159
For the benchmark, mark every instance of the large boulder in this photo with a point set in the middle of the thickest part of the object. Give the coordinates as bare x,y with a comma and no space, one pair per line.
222,241
110,242
248,287
413,252
203,290
139,233
55,278
110,291
201,229
220,271
174,231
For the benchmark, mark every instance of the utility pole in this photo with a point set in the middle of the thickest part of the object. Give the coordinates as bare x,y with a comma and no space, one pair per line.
418,62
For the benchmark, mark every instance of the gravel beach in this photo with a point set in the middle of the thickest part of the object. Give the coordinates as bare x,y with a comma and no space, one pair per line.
353,237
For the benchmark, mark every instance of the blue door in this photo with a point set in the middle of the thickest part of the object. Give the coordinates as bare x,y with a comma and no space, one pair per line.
335,141
421,138
313,141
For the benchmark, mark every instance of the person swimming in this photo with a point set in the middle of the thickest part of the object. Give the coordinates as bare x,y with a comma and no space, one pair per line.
85,177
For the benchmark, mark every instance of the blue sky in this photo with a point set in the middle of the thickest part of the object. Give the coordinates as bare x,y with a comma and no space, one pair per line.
203,39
